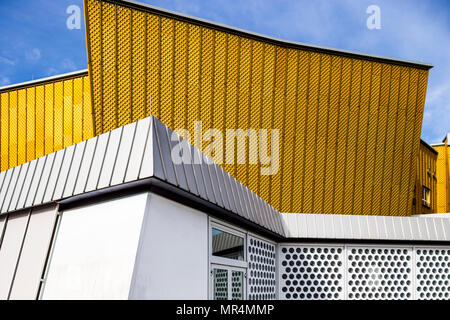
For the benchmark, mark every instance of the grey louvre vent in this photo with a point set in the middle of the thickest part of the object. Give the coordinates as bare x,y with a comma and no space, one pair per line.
133,152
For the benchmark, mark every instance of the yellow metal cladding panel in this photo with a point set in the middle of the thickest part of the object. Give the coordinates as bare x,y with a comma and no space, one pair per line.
13,122
124,52
42,118
40,125
68,113
426,164
443,178
48,121
348,127
4,124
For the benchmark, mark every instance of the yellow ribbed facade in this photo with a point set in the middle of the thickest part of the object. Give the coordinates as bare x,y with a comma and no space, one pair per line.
38,119
349,128
426,177
443,176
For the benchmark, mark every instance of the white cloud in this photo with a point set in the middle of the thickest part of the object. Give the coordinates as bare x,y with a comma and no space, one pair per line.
33,55
52,71
68,65
4,81
7,61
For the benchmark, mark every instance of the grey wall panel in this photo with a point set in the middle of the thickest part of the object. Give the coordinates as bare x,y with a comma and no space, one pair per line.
207,180
190,175
137,151
26,185
198,173
85,166
407,230
158,161
18,189
64,173
432,229
6,183
148,159
440,235
34,253
161,137
11,189
446,227
10,250
123,154
110,158
423,229
74,169
2,179
44,179
179,167
36,181
398,229
57,164
97,162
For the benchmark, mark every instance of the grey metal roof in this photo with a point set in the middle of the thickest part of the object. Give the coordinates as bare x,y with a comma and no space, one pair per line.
358,227
262,37
130,153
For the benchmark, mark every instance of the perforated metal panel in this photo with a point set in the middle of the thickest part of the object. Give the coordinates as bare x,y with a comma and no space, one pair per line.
364,272
312,272
261,274
379,273
432,273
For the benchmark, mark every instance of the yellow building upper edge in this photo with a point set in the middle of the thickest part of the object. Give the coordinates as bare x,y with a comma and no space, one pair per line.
64,100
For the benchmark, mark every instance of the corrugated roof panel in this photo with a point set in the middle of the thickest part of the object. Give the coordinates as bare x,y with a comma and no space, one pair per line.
110,158
74,169
123,154
12,187
26,184
36,180
20,183
137,152
50,188
63,173
97,162
85,166
44,179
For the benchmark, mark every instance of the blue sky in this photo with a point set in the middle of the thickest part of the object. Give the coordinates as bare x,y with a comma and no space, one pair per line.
36,43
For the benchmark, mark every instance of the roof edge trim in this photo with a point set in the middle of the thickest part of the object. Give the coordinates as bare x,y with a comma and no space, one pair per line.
44,80
274,40
428,146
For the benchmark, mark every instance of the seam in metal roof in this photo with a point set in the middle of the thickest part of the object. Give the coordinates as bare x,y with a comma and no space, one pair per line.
358,227
130,153
300,45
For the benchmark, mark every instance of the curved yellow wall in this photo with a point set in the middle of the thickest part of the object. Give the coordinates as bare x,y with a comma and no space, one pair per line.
349,127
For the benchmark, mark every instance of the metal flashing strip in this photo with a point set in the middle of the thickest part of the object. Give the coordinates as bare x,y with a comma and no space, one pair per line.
363,228
266,38
15,86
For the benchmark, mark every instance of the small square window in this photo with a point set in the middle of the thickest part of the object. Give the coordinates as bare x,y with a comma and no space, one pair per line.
227,245
426,197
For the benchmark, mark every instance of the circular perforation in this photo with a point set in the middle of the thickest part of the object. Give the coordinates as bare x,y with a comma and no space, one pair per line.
379,273
432,267
261,269
312,273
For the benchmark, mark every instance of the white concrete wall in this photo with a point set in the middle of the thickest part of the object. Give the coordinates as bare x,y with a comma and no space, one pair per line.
95,250
172,259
